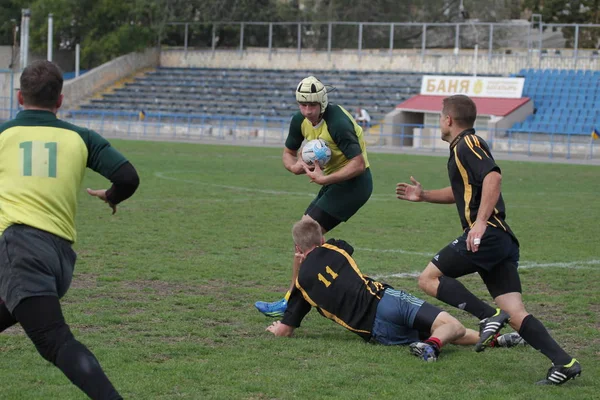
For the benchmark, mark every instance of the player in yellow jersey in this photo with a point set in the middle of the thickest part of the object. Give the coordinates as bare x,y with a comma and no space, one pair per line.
346,179
42,164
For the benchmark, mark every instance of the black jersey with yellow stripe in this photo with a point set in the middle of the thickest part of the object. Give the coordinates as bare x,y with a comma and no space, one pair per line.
42,164
330,281
469,163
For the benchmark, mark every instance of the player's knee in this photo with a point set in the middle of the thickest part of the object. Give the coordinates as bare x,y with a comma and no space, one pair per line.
427,284
459,329
49,342
516,319
429,279
456,326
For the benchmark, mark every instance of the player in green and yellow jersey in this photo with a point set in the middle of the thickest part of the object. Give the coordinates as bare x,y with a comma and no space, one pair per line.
346,179
42,164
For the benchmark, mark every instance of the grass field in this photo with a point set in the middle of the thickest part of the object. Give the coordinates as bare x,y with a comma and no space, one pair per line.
163,291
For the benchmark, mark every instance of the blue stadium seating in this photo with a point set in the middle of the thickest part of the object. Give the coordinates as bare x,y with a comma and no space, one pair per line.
566,101
252,92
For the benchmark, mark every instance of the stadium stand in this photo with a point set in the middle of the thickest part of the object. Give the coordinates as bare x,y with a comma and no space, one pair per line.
251,93
566,101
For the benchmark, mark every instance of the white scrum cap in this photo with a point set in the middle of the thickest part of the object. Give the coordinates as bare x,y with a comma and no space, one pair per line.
311,90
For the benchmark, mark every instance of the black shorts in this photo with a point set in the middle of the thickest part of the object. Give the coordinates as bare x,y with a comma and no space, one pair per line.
496,261
337,202
33,263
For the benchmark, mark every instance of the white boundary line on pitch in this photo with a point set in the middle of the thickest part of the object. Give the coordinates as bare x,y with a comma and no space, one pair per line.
164,175
376,197
524,265
399,251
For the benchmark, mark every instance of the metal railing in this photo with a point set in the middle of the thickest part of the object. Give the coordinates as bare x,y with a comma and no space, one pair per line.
531,41
268,131
7,94
273,131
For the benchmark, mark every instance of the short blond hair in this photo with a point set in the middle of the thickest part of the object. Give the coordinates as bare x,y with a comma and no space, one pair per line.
307,234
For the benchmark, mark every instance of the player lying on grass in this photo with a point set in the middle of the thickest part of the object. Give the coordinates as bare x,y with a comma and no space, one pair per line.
330,281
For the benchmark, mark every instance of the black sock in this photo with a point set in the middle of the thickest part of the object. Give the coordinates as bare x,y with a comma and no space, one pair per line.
452,292
42,319
534,333
6,318
82,368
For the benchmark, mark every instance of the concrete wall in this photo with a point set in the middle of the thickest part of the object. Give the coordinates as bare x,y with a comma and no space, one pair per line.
83,87
231,133
9,81
65,59
443,61
6,57
392,129
220,132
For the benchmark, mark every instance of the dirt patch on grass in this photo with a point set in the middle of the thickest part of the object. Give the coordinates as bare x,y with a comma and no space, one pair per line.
84,281
15,330
547,312
125,289
162,288
595,309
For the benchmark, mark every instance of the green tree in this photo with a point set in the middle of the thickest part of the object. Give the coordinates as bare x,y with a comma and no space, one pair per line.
10,16
570,12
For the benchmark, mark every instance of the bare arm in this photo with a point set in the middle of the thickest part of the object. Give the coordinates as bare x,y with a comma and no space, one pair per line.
415,192
439,196
292,162
355,167
490,193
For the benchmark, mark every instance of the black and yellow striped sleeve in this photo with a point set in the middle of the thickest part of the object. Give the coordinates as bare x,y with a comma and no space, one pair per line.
296,310
474,154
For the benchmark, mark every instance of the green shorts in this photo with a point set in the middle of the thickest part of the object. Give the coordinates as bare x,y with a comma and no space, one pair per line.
33,263
336,203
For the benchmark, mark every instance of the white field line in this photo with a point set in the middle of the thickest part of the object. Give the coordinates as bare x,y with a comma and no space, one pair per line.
576,265
378,197
164,175
568,265
399,251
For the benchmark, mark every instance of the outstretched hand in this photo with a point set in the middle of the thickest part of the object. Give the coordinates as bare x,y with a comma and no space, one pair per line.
405,191
101,194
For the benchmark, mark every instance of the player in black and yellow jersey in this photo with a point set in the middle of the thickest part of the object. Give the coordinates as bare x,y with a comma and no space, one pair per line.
346,179
42,164
330,281
487,246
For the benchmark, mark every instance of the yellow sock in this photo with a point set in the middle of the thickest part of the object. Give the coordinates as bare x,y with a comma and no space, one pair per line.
287,295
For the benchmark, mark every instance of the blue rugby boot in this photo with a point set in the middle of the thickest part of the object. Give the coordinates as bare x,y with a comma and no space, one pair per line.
275,309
